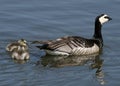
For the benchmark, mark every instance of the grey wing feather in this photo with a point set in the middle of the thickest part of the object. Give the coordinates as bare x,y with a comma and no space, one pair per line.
66,44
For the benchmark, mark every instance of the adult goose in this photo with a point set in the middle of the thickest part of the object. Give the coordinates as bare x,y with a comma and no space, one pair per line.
18,50
76,45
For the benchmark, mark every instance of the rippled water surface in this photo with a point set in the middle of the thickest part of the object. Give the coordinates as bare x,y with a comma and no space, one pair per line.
50,19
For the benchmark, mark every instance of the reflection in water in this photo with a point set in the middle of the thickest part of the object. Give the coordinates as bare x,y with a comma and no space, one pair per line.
99,73
62,61
100,77
20,61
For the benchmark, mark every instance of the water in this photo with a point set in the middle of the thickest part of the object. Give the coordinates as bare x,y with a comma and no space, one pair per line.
50,19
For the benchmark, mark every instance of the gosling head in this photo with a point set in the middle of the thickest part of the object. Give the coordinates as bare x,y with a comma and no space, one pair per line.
22,42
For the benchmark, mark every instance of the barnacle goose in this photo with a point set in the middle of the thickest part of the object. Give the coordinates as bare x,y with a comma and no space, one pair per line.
75,45
18,50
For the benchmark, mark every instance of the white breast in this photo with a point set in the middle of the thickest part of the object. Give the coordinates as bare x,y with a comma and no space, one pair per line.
22,56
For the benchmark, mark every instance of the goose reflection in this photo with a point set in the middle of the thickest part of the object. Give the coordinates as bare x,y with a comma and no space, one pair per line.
61,61
99,73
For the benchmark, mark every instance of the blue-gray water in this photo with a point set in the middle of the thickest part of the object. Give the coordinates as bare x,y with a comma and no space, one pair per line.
50,19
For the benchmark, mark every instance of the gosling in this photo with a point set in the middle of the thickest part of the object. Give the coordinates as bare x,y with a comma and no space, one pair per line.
18,50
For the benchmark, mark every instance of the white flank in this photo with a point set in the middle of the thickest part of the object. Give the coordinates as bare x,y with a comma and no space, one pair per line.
76,51
85,51
56,52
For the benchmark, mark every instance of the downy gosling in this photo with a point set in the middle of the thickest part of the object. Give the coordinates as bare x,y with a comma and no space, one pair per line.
18,50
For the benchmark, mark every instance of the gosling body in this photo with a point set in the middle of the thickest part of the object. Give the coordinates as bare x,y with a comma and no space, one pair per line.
18,50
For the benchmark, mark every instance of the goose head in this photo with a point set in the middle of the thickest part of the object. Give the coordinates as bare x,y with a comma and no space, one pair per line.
103,18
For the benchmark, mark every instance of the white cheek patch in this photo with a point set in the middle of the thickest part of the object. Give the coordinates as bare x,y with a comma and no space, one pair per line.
103,20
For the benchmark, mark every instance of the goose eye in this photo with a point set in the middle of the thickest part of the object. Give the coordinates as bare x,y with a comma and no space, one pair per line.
106,17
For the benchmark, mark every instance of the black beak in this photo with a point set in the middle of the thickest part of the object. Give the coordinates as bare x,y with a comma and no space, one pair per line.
109,18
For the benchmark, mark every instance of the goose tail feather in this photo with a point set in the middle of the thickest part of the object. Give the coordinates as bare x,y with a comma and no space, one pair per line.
44,46
39,42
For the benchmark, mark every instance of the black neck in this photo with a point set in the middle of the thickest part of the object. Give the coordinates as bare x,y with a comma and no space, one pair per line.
97,32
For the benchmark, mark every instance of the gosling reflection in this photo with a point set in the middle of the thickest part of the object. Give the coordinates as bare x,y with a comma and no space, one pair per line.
20,61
